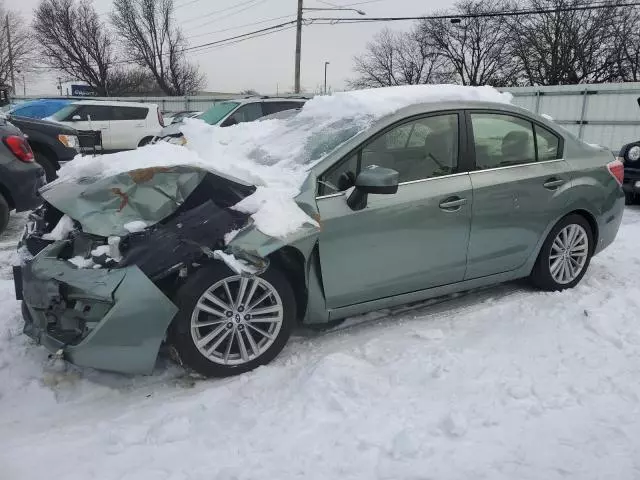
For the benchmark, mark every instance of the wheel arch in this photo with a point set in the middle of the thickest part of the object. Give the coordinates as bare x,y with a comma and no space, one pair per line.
591,219
145,140
7,196
293,264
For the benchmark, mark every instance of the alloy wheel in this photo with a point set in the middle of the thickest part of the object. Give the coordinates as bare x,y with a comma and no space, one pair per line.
236,320
569,253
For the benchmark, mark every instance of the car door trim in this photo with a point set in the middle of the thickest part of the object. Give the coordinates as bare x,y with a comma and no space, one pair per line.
519,165
410,182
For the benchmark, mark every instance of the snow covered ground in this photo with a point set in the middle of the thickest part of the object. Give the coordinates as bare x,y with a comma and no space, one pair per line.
504,383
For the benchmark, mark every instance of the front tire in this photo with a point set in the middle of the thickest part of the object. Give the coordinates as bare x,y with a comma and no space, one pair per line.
565,255
229,324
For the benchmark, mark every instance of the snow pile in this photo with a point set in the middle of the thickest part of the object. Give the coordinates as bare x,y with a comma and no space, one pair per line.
276,154
502,384
135,226
62,230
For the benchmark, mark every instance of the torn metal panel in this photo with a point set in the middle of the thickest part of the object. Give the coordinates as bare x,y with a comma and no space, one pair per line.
107,319
104,205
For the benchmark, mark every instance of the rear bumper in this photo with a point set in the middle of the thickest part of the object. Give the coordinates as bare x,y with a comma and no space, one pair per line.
609,222
631,178
23,184
106,319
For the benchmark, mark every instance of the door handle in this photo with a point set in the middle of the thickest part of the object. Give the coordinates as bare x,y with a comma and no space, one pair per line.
451,204
552,183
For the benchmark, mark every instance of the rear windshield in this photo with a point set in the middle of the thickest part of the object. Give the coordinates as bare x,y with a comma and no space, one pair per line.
218,112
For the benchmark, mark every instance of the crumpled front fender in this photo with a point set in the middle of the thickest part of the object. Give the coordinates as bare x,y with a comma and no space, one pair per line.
134,313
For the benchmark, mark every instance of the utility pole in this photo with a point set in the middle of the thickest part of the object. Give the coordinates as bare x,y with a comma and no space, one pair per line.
296,87
325,77
13,77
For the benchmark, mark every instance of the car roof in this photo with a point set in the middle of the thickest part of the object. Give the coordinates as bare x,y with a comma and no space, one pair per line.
267,99
115,104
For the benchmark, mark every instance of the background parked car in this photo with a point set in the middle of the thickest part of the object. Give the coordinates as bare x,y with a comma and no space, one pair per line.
232,112
20,175
38,108
179,116
123,125
52,143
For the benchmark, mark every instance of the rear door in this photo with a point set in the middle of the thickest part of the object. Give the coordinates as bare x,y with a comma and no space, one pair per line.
95,118
405,242
518,185
128,127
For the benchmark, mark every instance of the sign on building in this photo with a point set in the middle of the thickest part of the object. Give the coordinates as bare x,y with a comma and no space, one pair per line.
82,91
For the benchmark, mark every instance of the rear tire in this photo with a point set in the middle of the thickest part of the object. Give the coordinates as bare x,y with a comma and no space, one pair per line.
4,213
565,255
47,164
218,336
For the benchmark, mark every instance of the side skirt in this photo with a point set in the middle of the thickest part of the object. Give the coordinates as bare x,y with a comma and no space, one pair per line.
388,302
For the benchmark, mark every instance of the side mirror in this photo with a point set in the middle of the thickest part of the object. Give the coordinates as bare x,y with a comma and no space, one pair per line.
76,118
373,179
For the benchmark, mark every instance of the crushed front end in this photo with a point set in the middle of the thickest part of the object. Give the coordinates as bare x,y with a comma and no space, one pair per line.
100,295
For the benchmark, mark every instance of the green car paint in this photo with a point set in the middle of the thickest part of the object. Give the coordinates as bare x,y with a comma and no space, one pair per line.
124,313
433,237
104,205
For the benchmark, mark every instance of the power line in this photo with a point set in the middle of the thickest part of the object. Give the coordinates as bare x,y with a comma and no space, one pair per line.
249,4
266,29
208,49
239,26
512,13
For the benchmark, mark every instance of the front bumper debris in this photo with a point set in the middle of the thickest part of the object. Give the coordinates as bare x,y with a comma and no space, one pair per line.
106,319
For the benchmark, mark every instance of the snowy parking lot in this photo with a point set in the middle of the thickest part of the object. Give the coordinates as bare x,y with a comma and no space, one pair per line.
503,383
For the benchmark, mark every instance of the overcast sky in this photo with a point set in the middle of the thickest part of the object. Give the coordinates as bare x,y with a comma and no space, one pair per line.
264,64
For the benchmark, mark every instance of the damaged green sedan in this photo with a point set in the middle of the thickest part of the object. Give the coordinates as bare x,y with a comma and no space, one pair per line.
431,199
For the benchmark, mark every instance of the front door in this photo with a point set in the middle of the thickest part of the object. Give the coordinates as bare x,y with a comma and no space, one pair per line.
517,190
409,241
95,118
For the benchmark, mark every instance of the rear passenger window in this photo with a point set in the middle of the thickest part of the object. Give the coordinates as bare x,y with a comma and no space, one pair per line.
97,113
130,113
275,107
502,140
548,144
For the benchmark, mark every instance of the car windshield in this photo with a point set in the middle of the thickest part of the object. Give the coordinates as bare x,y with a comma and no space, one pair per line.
63,113
304,139
218,112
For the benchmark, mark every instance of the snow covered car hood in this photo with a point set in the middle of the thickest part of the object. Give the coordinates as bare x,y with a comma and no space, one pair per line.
118,204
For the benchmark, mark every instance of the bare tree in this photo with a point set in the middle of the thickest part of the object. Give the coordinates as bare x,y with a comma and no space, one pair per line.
567,47
398,58
148,29
627,41
21,45
477,48
73,40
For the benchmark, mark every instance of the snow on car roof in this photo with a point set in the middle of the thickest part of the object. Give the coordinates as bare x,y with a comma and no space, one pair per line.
275,155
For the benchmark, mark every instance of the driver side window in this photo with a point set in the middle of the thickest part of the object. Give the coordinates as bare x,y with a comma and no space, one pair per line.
418,149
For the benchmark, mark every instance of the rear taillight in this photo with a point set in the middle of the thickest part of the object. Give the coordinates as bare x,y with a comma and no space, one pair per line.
19,147
160,118
616,169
